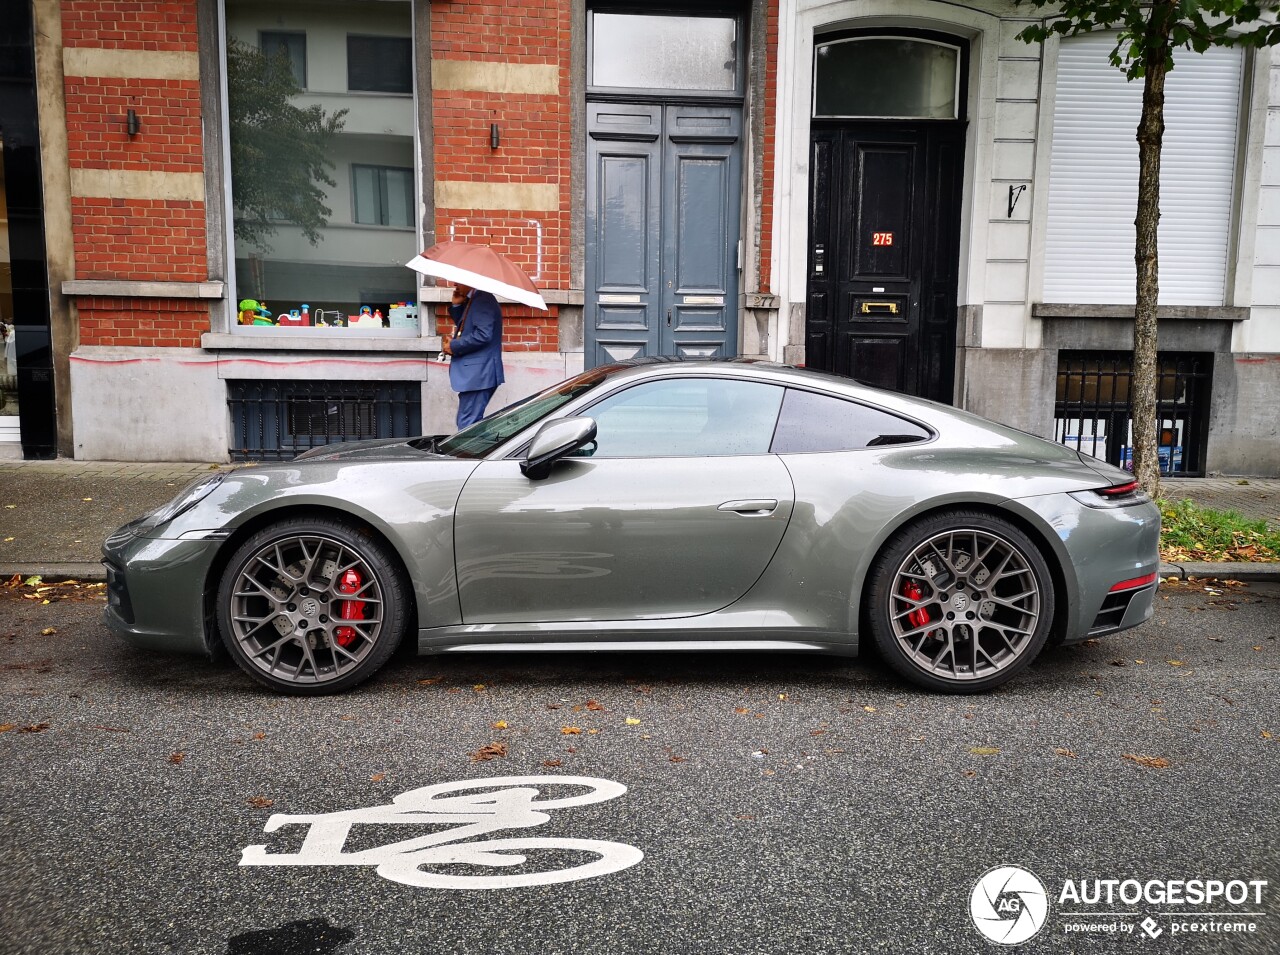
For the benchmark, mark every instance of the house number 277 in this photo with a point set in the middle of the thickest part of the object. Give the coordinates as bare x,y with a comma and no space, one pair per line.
882,238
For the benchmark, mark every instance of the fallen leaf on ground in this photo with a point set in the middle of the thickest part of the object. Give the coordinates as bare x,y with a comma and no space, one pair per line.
869,709
817,732
553,762
177,756
346,716
676,759
1061,751
553,706
1266,734
431,681
377,777
33,728
593,732
260,802
742,710
5,727
984,750
259,735
570,731
1151,762
48,631
500,725
782,696
594,705
479,688
1175,663
489,752
632,721
969,773
455,689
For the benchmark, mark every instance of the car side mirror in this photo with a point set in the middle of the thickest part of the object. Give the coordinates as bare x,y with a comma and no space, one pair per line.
553,441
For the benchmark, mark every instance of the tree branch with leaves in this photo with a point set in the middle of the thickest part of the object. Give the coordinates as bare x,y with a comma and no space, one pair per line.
279,150
1148,37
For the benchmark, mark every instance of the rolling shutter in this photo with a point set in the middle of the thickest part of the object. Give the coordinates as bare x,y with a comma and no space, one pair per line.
1093,177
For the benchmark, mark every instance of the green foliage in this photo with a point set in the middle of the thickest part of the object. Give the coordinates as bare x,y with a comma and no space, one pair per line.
1191,532
279,151
1155,29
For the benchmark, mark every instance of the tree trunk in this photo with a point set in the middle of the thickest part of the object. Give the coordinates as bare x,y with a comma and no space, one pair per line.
1146,456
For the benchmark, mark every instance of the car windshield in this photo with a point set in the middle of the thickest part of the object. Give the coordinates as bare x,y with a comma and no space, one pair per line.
479,439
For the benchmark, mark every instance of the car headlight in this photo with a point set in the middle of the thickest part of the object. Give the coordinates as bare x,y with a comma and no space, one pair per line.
189,497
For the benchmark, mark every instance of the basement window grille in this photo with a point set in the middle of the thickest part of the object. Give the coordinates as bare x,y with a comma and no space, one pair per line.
1093,411
276,420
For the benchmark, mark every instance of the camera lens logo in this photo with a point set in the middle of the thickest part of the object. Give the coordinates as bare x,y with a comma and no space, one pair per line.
1009,905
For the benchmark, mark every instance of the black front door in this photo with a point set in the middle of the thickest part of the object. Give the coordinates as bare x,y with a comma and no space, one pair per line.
884,235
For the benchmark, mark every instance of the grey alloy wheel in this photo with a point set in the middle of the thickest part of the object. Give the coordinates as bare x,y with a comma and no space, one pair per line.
311,606
961,602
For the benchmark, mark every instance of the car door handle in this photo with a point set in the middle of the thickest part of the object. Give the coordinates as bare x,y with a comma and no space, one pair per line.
752,508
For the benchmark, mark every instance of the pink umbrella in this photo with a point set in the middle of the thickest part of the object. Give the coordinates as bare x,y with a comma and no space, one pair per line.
479,267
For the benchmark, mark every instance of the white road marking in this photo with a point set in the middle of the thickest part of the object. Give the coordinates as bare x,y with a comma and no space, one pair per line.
473,807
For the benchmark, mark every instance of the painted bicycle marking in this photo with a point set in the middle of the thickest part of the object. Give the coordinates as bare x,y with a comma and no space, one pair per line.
492,805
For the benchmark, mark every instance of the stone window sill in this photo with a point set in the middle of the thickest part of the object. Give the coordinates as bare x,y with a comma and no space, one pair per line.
1194,313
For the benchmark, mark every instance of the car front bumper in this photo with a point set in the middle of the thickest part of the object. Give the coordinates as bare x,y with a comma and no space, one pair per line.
156,590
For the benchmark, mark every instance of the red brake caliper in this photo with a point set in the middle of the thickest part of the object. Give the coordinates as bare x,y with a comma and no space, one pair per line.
920,616
351,609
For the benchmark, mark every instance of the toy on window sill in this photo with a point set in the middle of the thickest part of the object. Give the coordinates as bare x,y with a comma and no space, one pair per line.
253,312
296,316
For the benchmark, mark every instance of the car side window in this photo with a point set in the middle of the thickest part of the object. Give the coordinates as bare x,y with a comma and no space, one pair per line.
686,417
814,422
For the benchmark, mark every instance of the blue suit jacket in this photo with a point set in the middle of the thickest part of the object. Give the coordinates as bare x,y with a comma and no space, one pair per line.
477,349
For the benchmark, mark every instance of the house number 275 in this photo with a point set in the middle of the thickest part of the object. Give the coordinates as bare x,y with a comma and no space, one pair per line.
882,238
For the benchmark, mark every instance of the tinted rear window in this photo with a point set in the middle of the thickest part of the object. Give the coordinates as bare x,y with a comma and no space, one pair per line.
813,422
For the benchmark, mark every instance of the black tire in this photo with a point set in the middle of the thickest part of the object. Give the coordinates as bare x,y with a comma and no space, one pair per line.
293,616
960,602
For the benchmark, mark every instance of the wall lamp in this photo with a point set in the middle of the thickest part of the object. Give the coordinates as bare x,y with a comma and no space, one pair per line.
132,123
494,139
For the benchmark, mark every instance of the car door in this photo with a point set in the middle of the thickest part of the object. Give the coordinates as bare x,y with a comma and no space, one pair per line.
676,510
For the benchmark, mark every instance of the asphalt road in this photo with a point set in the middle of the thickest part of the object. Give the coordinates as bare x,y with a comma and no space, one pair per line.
781,803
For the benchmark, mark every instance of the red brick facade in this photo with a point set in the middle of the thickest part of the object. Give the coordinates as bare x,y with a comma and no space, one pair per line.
145,239
135,239
535,145
139,323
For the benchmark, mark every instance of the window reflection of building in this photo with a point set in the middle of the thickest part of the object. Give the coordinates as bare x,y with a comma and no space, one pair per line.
8,347
356,57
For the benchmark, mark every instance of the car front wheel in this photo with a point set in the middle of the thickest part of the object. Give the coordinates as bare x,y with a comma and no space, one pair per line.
960,602
311,606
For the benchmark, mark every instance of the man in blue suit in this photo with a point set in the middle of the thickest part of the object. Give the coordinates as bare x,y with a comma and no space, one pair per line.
476,348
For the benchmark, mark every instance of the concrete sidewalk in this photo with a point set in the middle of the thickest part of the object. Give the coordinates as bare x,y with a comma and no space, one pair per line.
54,515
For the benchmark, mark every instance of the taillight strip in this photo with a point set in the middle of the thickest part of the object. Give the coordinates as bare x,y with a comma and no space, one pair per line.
1133,583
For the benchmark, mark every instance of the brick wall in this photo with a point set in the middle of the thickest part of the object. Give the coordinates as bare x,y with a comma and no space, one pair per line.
535,144
122,235
770,143
152,322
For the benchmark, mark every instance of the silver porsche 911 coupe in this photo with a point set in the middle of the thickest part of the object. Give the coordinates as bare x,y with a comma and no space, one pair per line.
656,506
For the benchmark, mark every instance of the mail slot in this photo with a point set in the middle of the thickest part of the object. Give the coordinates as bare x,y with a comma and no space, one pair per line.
879,308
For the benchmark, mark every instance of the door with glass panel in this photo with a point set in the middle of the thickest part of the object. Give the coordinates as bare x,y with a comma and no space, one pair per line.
663,186
886,167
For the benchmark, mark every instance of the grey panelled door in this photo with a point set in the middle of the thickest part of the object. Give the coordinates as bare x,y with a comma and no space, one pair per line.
663,195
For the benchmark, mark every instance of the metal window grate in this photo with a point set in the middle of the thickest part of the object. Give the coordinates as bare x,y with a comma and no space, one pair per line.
275,420
1093,413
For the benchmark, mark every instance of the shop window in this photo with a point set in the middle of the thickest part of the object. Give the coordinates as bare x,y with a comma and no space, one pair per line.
292,46
383,195
1093,177
380,64
323,184
886,77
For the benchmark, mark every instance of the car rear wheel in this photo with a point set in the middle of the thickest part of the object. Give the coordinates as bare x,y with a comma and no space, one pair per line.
311,606
960,602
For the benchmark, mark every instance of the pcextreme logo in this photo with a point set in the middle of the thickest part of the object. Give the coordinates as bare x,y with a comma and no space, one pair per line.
1009,906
